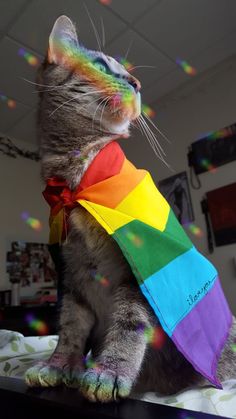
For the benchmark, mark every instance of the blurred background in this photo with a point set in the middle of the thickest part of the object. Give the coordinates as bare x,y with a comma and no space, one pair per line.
186,51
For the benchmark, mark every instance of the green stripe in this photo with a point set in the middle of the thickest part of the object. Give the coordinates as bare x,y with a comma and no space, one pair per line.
147,249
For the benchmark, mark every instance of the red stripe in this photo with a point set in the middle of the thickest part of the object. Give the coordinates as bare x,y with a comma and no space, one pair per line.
107,163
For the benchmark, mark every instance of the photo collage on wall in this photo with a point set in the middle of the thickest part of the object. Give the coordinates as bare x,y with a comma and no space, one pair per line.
30,263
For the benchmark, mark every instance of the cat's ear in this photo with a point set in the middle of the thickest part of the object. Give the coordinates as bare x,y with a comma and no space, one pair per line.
63,40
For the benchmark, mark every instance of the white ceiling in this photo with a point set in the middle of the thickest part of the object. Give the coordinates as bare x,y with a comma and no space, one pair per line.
202,32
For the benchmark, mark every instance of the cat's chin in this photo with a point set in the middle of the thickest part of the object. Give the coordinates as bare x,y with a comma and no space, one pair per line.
120,129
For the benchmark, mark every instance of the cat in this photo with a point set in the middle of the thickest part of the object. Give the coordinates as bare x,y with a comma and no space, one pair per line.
75,122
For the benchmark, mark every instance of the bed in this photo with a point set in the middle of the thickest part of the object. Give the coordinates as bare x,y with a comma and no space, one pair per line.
19,352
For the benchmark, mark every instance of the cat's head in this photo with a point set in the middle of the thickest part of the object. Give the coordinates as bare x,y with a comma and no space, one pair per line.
85,89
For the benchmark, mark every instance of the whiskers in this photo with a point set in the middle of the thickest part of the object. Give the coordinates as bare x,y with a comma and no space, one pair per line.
94,29
128,49
158,130
145,129
75,98
141,66
105,99
49,87
103,32
104,106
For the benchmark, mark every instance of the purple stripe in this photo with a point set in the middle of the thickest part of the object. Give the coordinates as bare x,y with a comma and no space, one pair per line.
201,335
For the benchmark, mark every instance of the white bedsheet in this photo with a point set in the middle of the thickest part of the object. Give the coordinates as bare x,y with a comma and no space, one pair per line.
18,353
208,399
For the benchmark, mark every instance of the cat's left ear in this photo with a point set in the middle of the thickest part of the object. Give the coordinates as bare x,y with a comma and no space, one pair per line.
63,40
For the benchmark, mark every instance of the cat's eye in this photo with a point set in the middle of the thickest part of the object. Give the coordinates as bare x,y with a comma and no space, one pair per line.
101,65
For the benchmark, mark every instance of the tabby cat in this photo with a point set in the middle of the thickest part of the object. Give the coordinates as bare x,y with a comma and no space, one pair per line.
76,119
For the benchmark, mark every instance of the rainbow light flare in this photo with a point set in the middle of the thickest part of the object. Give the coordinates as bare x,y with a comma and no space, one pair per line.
89,362
154,336
147,110
79,60
233,347
10,102
105,2
195,230
100,278
188,69
77,153
30,58
221,133
134,238
32,222
185,416
123,61
35,324
207,165
116,99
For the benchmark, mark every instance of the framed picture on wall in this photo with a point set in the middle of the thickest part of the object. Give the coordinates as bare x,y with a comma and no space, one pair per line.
221,203
177,193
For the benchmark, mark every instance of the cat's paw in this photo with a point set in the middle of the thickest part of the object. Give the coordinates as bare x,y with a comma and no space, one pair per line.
49,373
72,376
43,375
32,374
104,385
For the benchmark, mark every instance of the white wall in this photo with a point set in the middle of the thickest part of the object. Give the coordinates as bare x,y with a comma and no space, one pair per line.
204,104
20,188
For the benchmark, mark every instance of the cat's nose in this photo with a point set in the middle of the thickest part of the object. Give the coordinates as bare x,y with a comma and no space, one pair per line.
135,83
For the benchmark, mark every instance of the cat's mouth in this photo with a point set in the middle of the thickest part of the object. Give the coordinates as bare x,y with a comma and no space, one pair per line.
119,108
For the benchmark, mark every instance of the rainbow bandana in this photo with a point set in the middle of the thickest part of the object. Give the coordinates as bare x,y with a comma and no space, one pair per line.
181,286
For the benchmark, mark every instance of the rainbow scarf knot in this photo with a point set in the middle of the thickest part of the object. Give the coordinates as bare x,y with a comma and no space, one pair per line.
59,195
179,283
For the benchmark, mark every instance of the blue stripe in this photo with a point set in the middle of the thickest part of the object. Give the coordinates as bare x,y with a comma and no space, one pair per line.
175,290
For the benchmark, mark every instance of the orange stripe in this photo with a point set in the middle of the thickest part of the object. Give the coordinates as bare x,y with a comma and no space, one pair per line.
113,190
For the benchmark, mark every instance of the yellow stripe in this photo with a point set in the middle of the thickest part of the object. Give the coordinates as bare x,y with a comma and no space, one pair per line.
145,203
110,219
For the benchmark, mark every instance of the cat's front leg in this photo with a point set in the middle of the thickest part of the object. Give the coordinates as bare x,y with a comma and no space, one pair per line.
66,363
118,363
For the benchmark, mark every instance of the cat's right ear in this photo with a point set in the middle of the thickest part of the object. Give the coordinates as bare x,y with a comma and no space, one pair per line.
63,41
